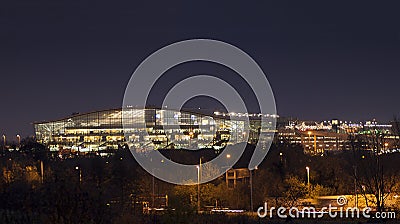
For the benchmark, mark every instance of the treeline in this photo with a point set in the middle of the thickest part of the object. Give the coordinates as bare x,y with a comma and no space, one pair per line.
39,187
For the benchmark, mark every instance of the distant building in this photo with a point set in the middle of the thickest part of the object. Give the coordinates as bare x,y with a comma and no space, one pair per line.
315,142
320,137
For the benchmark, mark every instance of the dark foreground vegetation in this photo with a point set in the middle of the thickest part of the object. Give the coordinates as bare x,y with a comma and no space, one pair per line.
37,186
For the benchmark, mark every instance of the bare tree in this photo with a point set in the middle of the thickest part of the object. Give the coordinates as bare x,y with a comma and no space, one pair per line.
373,176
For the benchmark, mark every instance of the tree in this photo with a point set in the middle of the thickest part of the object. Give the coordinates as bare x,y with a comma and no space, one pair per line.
184,199
295,189
319,190
372,175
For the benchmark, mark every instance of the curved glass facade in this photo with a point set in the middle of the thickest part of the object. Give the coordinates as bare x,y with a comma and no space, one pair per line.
144,128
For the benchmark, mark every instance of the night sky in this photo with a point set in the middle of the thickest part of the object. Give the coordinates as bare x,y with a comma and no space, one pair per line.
324,59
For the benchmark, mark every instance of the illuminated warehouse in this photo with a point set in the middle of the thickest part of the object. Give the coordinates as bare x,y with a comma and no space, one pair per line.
107,130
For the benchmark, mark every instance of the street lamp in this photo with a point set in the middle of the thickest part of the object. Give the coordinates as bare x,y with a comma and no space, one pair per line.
4,143
19,139
198,186
228,156
80,173
153,190
308,178
251,188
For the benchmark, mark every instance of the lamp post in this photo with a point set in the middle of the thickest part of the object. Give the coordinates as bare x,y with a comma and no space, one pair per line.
153,190
226,168
19,140
198,186
228,156
308,179
80,173
251,189
4,144
41,172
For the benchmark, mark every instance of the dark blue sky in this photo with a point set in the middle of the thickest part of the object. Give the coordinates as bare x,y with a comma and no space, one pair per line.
324,59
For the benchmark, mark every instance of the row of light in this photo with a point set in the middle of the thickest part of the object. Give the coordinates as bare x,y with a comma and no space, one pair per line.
245,114
234,114
329,126
360,124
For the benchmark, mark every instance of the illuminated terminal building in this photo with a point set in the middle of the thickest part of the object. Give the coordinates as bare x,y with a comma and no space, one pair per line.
107,130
